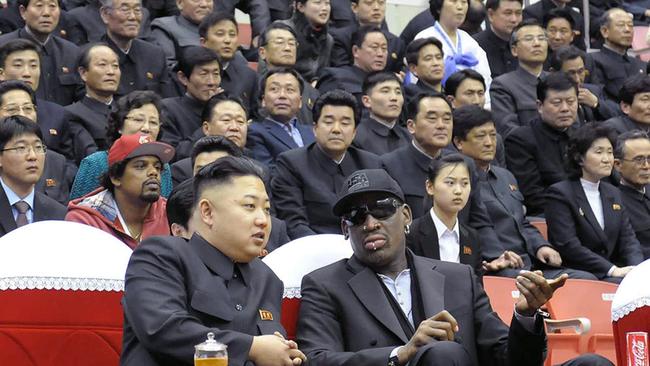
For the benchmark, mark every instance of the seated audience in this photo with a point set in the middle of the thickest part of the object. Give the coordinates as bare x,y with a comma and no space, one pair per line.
257,10
381,132
22,159
133,113
587,220
635,101
560,30
503,16
129,204
540,9
425,61
87,26
536,153
305,180
632,161
178,290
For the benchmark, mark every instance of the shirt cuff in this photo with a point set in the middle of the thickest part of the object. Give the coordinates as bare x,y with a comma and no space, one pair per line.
393,353
527,322
611,271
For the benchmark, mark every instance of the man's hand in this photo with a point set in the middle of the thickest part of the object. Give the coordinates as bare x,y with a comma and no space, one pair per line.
507,259
535,291
585,97
549,256
621,271
441,326
274,350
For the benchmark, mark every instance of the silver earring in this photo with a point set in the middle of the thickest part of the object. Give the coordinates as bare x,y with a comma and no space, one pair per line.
407,229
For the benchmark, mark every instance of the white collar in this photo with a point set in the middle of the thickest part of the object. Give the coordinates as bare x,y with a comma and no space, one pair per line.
441,228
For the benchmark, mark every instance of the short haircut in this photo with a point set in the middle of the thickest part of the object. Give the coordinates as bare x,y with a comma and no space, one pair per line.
17,45
622,139
378,77
563,54
605,18
413,49
580,141
468,117
264,37
180,203
10,85
222,171
84,56
25,3
559,13
557,81
530,22
495,4
337,97
213,19
633,86
413,106
360,34
208,109
208,144
281,70
192,56
454,80
438,164
14,126
124,105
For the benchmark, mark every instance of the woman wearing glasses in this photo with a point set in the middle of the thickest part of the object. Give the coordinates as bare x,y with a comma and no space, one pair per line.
587,221
138,111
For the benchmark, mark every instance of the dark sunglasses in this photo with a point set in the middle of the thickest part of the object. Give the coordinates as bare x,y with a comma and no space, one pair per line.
380,210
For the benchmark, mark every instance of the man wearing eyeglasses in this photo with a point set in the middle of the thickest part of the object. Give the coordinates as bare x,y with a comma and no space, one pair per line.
632,161
22,160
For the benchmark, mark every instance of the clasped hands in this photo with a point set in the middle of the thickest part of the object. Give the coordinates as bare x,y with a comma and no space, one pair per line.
275,350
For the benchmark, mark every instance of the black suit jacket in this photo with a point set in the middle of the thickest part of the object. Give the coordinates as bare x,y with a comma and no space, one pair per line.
54,124
56,180
182,121
378,139
239,80
258,10
92,116
637,205
623,123
611,69
349,78
176,291
45,208
498,52
346,319
266,140
542,7
423,241
583,244
342,50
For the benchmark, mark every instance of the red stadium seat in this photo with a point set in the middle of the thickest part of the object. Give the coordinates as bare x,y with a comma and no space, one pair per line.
541,226
245,34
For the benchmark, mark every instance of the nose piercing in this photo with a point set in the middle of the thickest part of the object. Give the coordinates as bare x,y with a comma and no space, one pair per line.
374,227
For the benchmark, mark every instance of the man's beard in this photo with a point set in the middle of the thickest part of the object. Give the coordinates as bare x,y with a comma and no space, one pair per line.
147,195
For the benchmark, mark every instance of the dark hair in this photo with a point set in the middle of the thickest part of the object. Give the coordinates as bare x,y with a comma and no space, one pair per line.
495,4
193,56
114,171
10,85
212,19
264,37
378,77
563,54
438,164
468,117
530,22
84,56
208,109
281,70
360,34
124,105
580,141
454,80
559,13
633,86
18,45
207,144
436,5
180,203
413,106
223,170
337,97
622,139
413,49
14,126
556,81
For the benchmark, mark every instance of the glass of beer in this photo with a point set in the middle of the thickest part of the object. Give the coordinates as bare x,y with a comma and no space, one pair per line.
210,353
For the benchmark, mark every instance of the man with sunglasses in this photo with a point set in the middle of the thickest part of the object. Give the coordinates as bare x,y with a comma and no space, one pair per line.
387,306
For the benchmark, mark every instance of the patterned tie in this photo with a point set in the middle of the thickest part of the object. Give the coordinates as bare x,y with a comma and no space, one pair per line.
21,207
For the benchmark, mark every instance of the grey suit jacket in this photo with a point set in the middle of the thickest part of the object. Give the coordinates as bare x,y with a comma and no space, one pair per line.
45,208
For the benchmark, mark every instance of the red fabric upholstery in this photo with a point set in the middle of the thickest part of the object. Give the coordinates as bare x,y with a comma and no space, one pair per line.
289,320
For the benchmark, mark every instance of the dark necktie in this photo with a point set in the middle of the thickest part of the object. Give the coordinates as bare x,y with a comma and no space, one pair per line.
21,207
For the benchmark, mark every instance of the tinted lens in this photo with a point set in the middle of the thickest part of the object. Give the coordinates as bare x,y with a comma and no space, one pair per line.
380,210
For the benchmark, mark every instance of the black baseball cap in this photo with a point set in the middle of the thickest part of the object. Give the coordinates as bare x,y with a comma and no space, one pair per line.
363,181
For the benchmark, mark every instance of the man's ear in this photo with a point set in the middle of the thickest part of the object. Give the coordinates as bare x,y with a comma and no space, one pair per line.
617,164
2,74
429,187
365,100
345,229
21,10
262,53
458,143
205,127
625,108
182,78
410,125
408,215
103,13
83,73
355,51
205,212
412,69
539,106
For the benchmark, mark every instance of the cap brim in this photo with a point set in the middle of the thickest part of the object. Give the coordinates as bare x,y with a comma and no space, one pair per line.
161,150
341,205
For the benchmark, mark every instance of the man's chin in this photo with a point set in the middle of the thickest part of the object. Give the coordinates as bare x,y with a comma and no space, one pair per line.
150,197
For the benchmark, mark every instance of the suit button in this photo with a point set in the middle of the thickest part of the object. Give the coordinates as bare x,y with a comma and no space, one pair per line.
373,342
239,307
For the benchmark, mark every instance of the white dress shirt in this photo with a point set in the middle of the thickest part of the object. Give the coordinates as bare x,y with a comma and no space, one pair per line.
448,240
593,197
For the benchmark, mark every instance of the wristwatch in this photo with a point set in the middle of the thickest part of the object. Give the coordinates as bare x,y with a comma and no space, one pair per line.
393,361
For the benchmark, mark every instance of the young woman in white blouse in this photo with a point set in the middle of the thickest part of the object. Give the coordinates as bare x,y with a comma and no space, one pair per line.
587,221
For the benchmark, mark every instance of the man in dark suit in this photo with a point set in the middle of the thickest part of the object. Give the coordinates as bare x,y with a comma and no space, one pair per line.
22,158
258,10
59,82
142,64
635,99
611,65
385,305
177,291
86,25
536,154
281,130
632,161
513,94
425,60
382,132
305,180
538,10
503,16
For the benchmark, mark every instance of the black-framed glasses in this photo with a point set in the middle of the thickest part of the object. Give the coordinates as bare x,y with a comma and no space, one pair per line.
380,210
